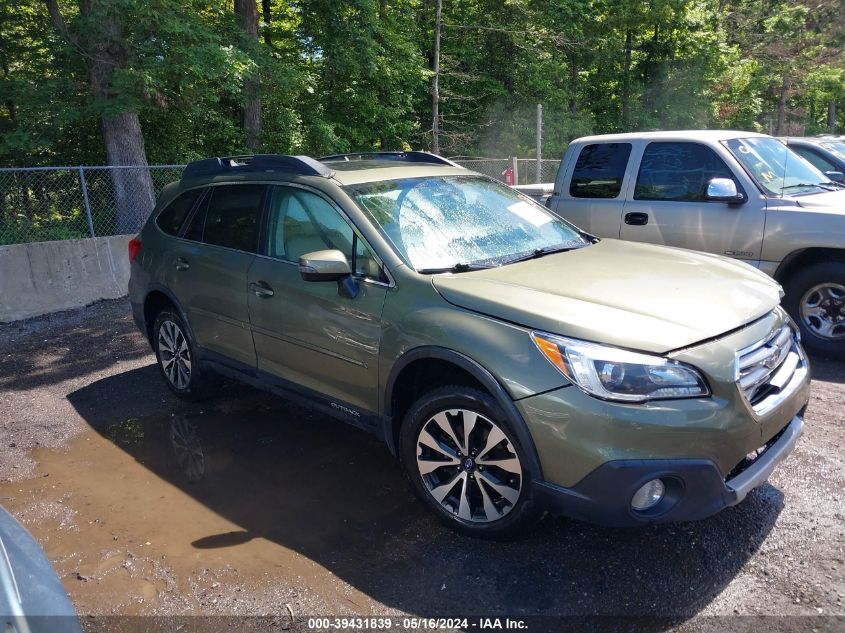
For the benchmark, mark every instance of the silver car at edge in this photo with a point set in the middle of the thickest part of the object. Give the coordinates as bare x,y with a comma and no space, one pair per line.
32,598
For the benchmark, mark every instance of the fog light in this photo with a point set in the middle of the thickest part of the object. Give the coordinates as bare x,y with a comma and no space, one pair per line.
648,496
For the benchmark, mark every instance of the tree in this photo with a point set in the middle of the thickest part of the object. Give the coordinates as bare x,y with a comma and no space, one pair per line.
435,80
124,81
247,13
100,39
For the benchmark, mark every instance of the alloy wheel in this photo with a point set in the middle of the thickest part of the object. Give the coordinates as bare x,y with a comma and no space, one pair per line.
469,465
823,310
174,354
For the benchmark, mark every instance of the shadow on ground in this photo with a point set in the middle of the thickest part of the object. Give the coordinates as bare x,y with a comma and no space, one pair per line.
335,495
48,351
827,370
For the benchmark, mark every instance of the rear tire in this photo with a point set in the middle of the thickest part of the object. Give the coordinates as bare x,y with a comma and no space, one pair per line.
177,359
815,299
465,463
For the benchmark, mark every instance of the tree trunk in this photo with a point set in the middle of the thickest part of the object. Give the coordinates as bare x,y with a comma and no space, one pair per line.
435,83
831,116
134,194
10,104
780,123
573,86
265,16
247,13
626,82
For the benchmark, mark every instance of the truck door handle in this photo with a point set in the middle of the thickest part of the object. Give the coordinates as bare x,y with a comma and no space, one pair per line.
261,289
182,263
636,218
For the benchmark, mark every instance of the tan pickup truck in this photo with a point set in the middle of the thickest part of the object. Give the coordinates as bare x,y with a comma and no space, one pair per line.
736,194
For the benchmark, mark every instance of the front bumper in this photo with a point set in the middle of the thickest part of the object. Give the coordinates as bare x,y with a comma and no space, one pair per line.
695,488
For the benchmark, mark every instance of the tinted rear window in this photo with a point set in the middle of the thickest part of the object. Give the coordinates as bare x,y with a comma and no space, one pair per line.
232,216
171,218
599,170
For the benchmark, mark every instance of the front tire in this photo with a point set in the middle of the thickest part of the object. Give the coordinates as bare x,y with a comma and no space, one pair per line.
815,298
465,464
177,359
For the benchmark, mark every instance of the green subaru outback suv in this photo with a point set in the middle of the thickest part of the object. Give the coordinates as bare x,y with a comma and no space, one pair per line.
514,363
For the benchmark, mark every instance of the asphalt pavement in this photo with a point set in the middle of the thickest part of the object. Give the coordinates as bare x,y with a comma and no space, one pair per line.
248,505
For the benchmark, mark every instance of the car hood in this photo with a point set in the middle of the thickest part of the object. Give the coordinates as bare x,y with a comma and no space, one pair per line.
633,295
829,201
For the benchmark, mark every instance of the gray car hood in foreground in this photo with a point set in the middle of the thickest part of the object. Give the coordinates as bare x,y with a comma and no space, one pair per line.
32,598
633,295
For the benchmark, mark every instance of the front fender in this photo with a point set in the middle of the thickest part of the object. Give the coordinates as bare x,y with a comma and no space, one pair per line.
487,380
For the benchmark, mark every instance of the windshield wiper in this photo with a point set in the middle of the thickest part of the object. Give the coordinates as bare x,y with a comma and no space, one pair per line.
460,267
823,185
539,252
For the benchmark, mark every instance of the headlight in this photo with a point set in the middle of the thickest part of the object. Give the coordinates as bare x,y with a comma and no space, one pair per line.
611,373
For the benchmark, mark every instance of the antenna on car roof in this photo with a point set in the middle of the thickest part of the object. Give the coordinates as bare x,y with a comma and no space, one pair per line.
304,165
404,157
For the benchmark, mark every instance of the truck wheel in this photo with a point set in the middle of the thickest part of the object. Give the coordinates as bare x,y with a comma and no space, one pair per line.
815,298
465,464
177,359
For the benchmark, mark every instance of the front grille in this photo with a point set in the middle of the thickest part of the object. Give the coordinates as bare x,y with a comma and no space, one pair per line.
766,369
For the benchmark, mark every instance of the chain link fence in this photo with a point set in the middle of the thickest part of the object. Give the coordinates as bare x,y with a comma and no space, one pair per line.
525,168
493,167
39,204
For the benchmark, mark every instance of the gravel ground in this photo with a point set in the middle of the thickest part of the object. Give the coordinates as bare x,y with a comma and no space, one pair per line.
287,513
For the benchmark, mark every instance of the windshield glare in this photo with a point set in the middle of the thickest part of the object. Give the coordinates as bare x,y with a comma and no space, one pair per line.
440,222
775,167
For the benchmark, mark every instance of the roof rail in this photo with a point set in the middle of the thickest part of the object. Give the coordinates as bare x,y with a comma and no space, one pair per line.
304,165
404,157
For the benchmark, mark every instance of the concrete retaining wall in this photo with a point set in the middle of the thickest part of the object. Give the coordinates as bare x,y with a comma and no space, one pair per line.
47,277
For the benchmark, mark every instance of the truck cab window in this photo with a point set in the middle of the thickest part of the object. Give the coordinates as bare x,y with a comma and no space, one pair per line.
678,171
599,170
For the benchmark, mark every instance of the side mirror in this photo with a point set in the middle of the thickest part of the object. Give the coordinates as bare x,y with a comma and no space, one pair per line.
330,265
835,176
723,190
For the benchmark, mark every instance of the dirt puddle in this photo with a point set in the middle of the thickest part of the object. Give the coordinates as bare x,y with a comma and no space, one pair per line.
243,509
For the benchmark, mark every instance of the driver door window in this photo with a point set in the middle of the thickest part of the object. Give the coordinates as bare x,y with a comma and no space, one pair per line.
302,222
678,171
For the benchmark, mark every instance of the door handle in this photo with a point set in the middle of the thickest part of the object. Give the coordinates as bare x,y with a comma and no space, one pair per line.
182,263
636,218
261,289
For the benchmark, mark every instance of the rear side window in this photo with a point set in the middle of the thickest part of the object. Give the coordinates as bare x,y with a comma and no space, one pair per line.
678,171
170,220
600,170
230,218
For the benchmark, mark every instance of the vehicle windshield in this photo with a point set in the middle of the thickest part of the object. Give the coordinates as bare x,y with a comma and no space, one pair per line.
776,168
445,222
837,147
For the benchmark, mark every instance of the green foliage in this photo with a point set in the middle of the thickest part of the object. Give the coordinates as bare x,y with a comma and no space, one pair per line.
356,74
